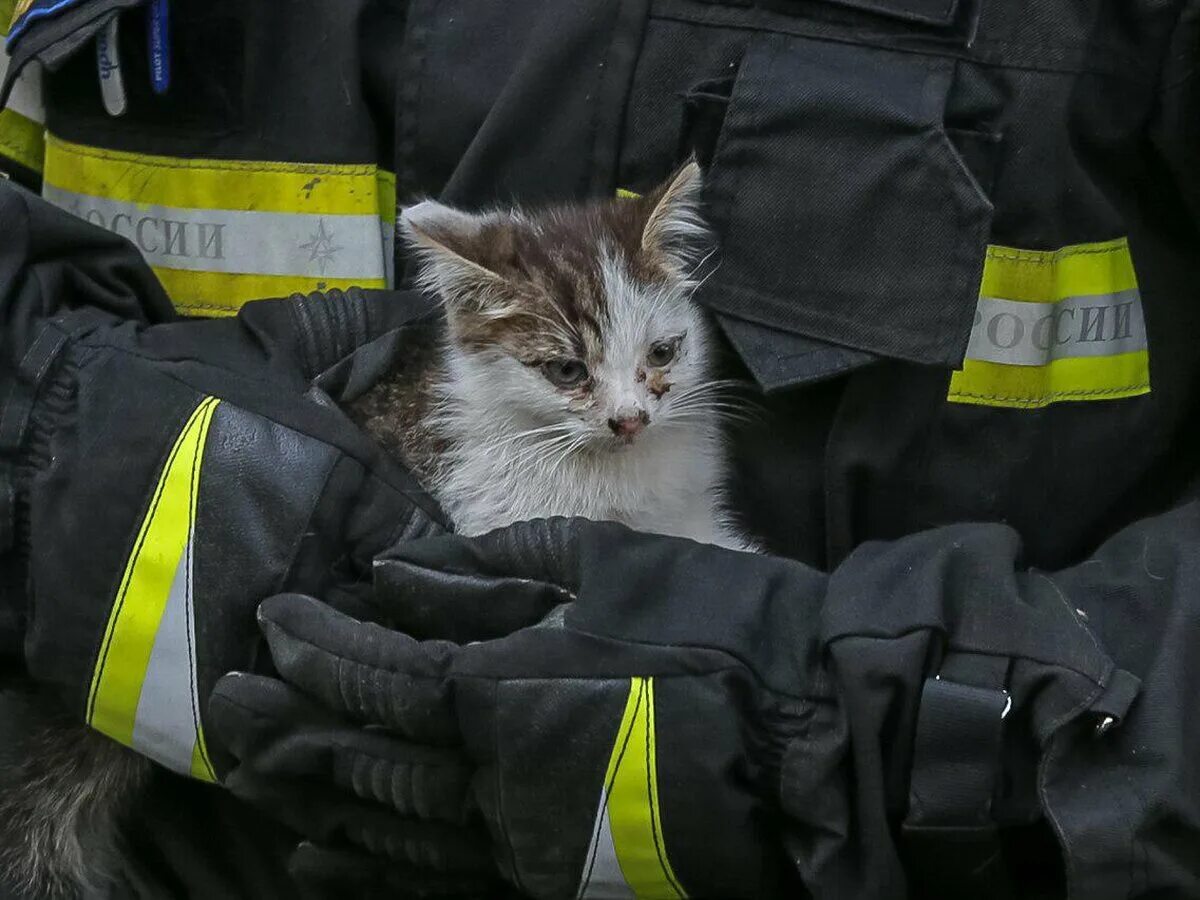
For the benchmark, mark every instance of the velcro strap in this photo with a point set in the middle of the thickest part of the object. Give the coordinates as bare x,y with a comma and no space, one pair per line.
956,756
951,842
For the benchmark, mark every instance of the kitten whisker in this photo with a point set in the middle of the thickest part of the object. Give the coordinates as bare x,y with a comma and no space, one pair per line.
552,429
543,447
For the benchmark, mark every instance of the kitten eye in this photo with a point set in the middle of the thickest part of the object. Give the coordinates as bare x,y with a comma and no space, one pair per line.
662,352
565,373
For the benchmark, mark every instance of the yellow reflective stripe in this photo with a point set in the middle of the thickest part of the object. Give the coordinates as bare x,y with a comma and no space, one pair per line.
626,194
122,703
1023,387
1037,276
201,767
219,233
627,856
633,800
22,140
1053,326
223,293
261,186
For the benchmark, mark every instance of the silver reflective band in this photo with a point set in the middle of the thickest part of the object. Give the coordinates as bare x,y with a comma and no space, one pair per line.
602,877
238,241
26,96
1016,333
167,721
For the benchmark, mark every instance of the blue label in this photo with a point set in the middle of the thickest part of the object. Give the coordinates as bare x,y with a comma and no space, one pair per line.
160,46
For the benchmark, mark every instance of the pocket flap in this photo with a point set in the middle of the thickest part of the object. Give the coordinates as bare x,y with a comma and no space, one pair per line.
845,214
782,359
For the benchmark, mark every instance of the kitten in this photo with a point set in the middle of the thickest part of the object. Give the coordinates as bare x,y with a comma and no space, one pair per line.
574,376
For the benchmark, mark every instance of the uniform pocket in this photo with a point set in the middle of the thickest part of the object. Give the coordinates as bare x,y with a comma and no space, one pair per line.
845,212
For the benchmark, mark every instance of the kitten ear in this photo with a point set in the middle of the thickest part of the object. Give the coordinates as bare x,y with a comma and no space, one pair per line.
675,231
449,244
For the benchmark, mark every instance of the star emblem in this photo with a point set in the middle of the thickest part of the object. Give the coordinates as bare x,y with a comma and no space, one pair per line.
320,247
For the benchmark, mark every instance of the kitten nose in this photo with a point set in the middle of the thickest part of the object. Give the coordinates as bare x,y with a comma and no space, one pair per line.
628,424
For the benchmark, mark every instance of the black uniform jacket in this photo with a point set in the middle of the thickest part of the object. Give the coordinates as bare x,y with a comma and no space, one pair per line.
959,259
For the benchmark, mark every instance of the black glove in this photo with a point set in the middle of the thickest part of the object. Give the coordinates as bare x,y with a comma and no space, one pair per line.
168,476
572,741
649,715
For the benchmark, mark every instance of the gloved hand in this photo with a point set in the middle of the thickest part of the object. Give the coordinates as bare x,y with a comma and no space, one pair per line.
611,713
559,728
167,476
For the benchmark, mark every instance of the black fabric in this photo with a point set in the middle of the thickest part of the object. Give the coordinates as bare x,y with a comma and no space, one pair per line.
50,265
956,769
781,359
770,708
956,758
97,379
227,100
322,872
535,712
884,227
446,119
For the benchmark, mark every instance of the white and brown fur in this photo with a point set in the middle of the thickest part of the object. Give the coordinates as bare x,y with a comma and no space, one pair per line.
63,792
473,414
493,438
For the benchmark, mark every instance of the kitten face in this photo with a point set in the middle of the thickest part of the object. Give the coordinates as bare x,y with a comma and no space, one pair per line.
576,321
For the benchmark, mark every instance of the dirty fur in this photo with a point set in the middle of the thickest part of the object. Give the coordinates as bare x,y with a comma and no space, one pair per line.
61,802
605,288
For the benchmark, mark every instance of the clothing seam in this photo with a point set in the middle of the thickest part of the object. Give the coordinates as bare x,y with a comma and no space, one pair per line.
1054,395
1050,257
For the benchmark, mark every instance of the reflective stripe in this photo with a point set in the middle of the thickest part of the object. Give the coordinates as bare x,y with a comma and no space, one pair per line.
627,854
215,285
21,140
1054,326
1035,334
21,131
247,242
627,194
219,233
144,692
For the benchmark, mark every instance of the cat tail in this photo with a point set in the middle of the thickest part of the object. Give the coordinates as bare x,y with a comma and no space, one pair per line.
64,790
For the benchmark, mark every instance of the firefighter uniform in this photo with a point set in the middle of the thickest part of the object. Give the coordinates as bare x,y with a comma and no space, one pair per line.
958,251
